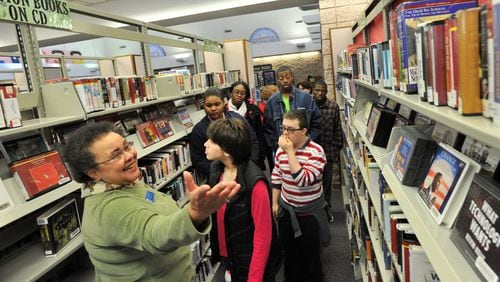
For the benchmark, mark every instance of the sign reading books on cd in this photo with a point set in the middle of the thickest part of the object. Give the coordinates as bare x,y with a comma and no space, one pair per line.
476,231
51,13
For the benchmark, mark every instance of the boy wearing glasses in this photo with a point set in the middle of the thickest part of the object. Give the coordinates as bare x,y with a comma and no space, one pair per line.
298,202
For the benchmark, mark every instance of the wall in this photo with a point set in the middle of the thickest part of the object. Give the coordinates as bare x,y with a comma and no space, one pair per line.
336,14
302,64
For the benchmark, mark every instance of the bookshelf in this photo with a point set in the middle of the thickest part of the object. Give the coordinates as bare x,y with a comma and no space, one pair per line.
57,104
445,257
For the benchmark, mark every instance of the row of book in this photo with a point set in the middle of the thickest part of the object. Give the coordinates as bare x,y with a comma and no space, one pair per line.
189,83
443,51
159,166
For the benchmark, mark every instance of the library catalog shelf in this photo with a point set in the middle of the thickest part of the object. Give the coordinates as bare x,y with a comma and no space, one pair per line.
28,207
32,264
130,107
34,124
447,260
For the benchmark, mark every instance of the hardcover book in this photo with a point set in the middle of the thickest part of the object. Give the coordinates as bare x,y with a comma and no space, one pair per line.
469,99
475,233
487,157
443,180
147,133
40,173
58,226
164,128
412,155
24,147
379,126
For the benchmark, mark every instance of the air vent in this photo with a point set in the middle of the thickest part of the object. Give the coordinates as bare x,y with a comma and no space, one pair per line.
311,19
309,7
314,29
301,45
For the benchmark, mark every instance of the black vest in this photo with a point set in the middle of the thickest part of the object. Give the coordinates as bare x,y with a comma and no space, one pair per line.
239,224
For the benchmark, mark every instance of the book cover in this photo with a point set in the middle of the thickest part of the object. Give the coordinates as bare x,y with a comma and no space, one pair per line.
438,63
24,147
184,117
487,157
407,113
130,119
10,105
164,128
420,268
443,179
469,99
412,155
147,133
6,202
475,233
421,62
40,173
58,226
444,134
379,126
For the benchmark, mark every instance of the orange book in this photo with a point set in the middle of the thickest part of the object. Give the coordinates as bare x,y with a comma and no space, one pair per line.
469,99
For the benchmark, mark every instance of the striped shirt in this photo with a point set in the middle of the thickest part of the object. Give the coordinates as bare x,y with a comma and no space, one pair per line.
305,186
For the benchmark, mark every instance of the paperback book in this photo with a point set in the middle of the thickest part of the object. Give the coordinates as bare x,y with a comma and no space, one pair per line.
40,173
58,226
475,233
443,180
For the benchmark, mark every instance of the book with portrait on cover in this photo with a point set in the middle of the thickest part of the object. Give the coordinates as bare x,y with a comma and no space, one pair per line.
443,180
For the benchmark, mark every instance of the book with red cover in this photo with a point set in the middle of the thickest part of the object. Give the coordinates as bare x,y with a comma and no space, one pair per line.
429,82
396,62
452,62
11,112
469,99
438,63
40,173
164,128
147,133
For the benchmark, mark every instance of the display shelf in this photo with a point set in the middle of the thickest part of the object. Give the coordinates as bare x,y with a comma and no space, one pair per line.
365,84
377,152
476,126
31,264
171,177
130,107
23,209
34,124
142,152
376,202
446,259
349,100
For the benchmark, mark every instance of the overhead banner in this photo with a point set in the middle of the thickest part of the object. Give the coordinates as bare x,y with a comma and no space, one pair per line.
49,13
210,45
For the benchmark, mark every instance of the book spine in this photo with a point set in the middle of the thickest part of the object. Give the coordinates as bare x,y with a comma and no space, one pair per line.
439,66
496,26
469,100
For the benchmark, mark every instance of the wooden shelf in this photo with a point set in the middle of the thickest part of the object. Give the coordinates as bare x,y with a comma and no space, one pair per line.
32,264
34,124
447,260
26,208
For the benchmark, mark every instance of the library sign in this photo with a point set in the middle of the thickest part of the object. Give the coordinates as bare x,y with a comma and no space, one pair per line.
50,13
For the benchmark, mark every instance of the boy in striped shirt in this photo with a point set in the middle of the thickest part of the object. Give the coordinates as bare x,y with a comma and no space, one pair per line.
298,202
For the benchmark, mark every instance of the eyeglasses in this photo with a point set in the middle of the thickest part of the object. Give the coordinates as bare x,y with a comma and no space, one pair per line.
118,155
290,130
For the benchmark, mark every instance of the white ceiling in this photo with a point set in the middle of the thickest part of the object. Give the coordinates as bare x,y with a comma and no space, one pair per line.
211,18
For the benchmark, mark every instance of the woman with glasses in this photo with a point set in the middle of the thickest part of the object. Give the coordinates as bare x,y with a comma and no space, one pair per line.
131,231
241,103
215,109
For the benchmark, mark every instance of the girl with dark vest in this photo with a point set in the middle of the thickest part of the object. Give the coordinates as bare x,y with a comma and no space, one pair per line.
243,233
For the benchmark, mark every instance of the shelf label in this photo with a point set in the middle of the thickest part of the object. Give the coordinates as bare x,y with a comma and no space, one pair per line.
51,13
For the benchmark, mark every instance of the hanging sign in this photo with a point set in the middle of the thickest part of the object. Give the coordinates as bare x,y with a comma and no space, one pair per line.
210,45
50,13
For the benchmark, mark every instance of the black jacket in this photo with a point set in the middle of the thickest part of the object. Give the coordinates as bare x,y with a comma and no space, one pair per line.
239,224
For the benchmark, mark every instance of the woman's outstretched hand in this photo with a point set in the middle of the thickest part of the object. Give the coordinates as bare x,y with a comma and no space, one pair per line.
203,200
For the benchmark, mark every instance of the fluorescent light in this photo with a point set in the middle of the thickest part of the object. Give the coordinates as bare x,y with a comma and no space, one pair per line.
300,40
182,55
